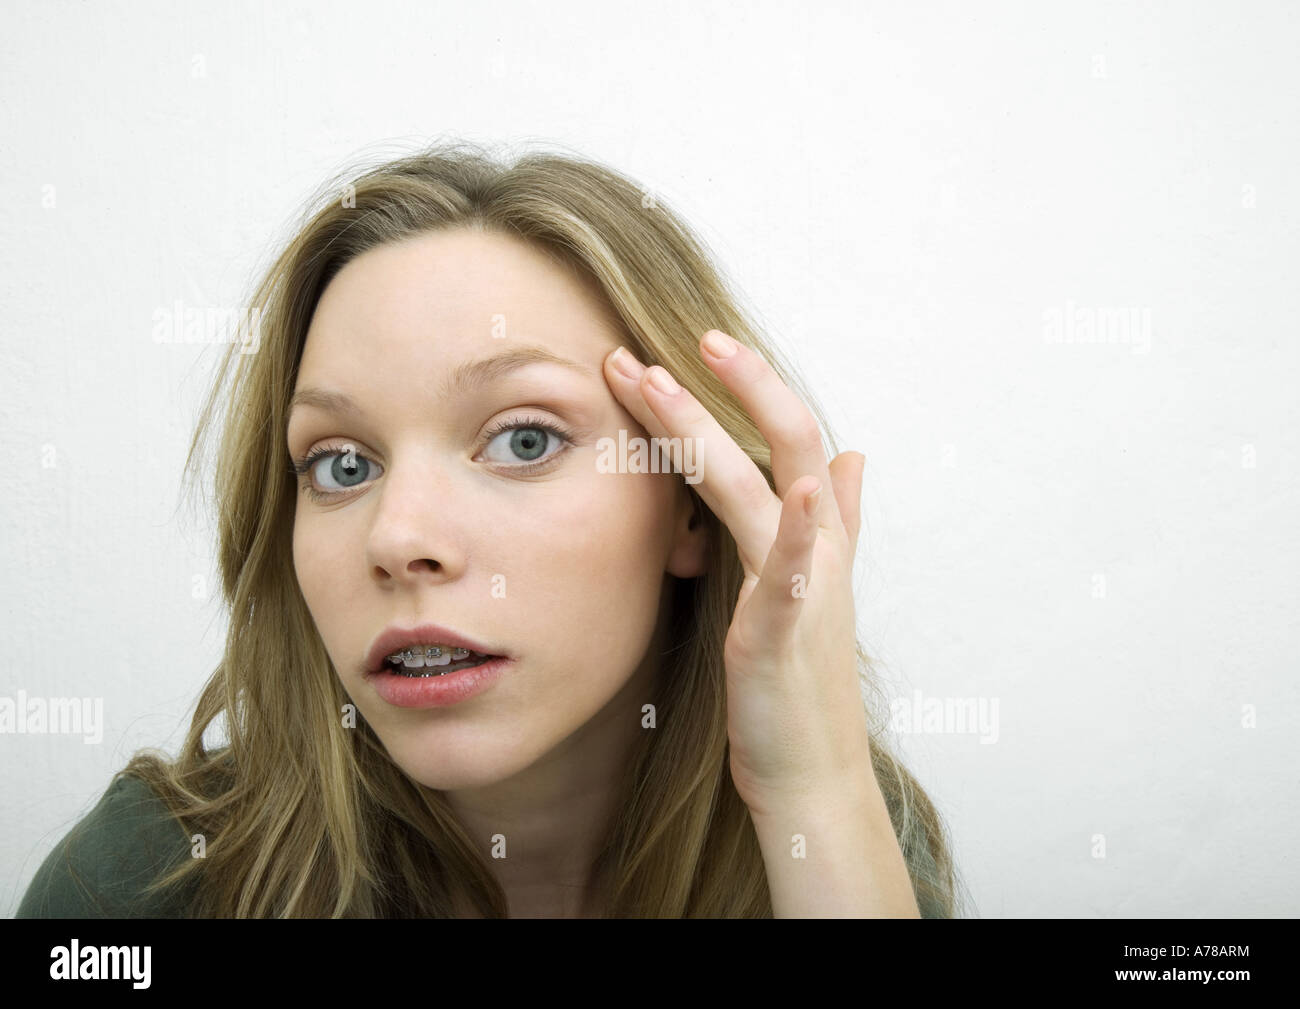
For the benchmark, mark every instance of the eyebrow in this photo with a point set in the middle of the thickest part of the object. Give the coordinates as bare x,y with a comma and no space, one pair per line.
463,379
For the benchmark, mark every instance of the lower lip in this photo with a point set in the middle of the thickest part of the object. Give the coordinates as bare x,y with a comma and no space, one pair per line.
437,691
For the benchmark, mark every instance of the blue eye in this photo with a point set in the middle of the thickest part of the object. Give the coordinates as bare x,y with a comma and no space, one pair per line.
349,469
528,440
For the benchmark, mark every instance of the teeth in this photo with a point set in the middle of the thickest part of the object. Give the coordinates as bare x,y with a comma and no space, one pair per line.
430,655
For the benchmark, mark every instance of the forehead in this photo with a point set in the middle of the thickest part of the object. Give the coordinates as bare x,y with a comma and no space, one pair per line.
443,298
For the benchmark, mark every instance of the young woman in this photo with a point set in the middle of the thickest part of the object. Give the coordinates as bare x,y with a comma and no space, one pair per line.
540,591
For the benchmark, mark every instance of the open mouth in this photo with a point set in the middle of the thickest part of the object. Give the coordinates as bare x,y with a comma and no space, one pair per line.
417,666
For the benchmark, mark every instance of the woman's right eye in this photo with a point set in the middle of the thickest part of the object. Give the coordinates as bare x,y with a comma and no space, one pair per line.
347,467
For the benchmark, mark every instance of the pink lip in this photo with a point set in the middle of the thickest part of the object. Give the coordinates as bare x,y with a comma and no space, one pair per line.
437,691
396,637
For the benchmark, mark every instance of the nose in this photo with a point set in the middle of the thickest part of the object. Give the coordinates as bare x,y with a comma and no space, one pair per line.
416,533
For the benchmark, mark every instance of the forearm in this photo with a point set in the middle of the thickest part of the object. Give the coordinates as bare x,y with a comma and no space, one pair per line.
835,855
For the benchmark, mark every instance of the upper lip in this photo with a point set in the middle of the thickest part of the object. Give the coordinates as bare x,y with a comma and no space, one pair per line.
395,638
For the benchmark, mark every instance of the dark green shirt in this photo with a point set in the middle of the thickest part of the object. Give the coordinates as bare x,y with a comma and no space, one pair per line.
101,866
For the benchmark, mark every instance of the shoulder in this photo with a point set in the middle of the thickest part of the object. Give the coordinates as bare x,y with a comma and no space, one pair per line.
102,865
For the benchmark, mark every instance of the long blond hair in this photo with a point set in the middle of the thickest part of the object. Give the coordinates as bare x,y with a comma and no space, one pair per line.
303,816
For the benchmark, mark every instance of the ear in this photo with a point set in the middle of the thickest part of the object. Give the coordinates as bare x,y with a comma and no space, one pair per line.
688,556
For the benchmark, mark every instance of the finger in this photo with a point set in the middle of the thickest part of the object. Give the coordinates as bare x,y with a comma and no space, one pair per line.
786,423
725,476
777,600
846,479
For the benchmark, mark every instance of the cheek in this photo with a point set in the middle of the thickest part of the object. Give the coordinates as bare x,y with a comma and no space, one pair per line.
303,558
607,527
314,559
589,566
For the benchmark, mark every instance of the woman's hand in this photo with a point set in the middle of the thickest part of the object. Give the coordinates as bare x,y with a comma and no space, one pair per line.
795,718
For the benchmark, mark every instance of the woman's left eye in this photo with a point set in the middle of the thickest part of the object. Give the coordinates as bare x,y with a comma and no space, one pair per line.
349,469
528,440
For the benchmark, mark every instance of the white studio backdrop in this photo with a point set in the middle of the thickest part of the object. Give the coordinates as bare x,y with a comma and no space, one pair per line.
1037,262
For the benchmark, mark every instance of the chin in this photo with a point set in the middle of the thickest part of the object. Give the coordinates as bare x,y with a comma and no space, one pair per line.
451,772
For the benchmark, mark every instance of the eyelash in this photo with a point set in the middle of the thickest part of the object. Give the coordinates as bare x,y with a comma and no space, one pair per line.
301,467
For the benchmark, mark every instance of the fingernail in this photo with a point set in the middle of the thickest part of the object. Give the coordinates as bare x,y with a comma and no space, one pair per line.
663,381
626,364
719,344
812,500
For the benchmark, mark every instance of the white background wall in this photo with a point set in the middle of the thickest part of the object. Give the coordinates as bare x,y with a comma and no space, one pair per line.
1100,537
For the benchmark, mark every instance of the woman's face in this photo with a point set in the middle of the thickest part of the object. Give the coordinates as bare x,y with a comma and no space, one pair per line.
516,539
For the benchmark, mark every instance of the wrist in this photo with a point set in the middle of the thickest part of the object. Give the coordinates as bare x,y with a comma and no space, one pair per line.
851,785
833,853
